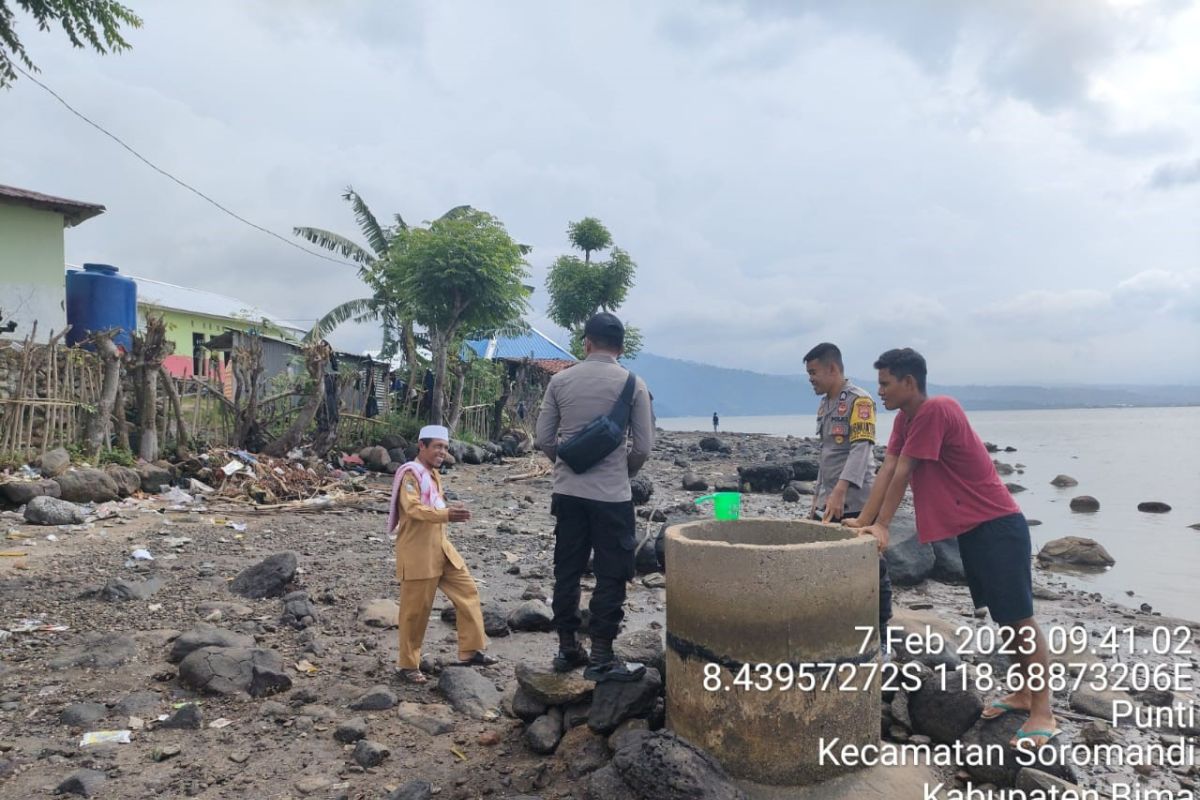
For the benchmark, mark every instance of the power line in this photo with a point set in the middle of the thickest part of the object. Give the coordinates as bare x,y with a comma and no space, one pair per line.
190,188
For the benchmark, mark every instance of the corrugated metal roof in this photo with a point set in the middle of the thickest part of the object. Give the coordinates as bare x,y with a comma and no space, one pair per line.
73,211
533,344
200,301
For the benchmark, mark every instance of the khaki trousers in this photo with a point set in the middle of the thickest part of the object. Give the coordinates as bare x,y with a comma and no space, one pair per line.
416,601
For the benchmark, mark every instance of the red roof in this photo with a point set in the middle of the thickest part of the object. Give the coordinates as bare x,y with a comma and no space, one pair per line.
553,366
73,211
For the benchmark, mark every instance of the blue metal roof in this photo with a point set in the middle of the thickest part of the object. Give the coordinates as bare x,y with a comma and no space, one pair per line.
533,344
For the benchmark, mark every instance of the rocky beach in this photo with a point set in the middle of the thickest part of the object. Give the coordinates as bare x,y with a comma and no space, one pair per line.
177,645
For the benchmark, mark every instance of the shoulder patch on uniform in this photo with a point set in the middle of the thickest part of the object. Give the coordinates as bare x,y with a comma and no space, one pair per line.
862,420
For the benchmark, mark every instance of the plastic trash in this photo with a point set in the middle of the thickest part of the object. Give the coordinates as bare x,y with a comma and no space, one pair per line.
726,505
232,467
199,487
105,737
177,496
141,554
240,527
220,723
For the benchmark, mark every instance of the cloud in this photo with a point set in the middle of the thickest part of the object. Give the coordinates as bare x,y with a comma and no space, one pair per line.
1176,174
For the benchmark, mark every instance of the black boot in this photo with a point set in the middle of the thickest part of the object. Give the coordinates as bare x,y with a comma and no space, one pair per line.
604,665
570,653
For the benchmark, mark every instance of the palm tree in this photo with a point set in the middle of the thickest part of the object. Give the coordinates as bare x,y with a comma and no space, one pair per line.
382,305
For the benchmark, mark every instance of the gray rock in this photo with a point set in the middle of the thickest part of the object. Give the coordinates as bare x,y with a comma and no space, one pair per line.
83,782
413,790
470,693
206,636
642,490
153,477
644,647
606,784
80,715
552,688
97,651
582,752
495,622
662,766
1075,551
943,714
351,730
1095,703
1085,504
120,590
53,463
139,704
1153,507
909,561
433,718
298,611
1064,481
87,486
1014,488
1041,784
532,615
655,580
375,458
368,754
47,510
19,493
694,483
525,707
379,614
235,671
1003,771
268,578
711,444
791,494
947,562
126,479
545,733
189,717
613,702
377,698
805,469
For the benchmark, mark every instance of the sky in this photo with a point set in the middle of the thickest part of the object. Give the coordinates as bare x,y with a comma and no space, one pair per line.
1009,186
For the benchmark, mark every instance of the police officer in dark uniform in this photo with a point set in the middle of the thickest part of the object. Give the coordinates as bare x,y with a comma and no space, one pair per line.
846,429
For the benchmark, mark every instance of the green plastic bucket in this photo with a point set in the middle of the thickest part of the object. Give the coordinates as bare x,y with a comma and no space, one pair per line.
726,505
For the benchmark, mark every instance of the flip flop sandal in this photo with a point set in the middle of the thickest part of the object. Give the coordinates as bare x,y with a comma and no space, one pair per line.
1025,736
480,659
413,676
1002,707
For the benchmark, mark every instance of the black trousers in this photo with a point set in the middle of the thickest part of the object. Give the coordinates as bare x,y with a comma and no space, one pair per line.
606,531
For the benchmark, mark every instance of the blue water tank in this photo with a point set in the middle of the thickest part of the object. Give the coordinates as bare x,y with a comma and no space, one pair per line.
98,299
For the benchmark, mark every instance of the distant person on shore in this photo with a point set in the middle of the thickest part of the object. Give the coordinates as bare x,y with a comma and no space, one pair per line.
716,422
593,509
846,470
426,560
957,493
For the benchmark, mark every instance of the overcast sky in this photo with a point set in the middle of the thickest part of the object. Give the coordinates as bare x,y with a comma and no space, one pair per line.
1010,186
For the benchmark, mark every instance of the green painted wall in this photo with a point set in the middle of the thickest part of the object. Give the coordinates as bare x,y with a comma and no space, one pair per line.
31,270
181,326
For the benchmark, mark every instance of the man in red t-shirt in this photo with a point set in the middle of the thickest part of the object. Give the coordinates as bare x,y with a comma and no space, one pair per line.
957,493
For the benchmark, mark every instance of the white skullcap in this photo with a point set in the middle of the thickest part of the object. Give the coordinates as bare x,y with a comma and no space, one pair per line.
435,432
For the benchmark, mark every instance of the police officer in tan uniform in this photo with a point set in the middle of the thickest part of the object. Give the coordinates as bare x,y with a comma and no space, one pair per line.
846,472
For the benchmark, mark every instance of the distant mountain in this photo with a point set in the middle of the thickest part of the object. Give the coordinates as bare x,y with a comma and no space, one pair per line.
688,389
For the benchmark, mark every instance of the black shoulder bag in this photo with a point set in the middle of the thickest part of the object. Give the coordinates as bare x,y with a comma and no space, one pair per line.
601,436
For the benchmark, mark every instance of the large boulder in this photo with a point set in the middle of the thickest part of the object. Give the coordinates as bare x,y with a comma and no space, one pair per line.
765,477
235,671
268,578
470,693
947,563
613,702
87,486
47,510
943,714
154,478
126,479
551,688
393,441
379,614
642,647
711,444
53,463
664,767
1153,507
694,483
1085,504
532,615
19,493
1075,551
909,561
805,469
544,734
375,458
119,590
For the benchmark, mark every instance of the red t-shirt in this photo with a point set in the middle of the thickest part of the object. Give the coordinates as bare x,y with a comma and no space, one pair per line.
954,482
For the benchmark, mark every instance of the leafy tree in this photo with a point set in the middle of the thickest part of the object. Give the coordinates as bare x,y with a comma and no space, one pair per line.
580,288
86,22
461,275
